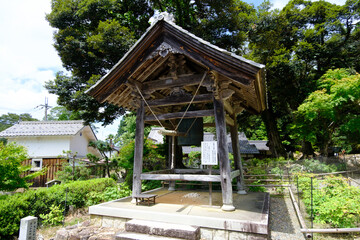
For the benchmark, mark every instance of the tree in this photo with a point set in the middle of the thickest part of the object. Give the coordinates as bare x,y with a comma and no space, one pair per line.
7,120
69,172
299,44
223,23
126,130
92,36
332,109
11,169
153,159
60,113
104,148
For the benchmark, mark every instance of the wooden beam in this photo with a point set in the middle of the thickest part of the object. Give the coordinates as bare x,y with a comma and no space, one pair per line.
228,107
227,93
223,154
156,123
209,124
152,68
237,156
234,174
189,114
238,109
138,152
180,82
183,177
238,91
177,100
229,121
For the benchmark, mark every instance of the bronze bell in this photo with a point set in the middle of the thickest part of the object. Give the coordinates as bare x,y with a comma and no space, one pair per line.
194,135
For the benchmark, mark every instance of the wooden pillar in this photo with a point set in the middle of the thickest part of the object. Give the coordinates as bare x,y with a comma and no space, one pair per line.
223,156
139,149
237,156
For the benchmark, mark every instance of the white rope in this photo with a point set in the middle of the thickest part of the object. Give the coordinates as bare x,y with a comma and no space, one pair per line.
149,106
192,99
191,102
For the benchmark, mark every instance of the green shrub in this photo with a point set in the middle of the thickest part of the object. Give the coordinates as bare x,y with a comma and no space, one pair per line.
277,170
54,217
111,193
315,166
81,172
257,188
36,202
334,201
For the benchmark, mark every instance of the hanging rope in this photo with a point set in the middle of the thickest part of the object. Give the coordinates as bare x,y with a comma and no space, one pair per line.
176,128
191,103
149,106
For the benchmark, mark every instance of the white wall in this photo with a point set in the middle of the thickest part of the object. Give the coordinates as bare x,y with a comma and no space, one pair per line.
80,143
44,146
54,146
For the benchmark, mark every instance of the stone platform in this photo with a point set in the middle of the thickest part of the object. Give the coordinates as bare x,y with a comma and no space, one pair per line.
250,219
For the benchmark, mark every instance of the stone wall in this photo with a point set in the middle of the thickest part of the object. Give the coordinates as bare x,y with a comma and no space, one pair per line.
205,233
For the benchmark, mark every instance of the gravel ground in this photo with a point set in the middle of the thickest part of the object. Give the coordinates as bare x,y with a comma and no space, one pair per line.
283,220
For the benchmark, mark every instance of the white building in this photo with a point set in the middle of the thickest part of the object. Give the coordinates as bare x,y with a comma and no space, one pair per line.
46,142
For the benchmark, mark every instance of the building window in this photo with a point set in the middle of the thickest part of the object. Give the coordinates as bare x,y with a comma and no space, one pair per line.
36,164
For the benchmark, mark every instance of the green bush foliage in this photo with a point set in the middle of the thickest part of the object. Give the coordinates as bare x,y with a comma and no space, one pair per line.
11,168
81,172
36,202
334,201
110,193
54,217
152,159
315,166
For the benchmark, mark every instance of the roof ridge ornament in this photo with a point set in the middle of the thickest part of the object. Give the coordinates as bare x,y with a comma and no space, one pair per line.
168,17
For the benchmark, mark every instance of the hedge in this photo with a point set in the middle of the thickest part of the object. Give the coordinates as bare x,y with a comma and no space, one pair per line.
35,202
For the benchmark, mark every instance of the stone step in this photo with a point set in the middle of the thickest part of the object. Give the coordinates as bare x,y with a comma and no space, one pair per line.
163,229
141,236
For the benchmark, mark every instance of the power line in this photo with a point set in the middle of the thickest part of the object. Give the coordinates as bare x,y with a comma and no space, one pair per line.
45,106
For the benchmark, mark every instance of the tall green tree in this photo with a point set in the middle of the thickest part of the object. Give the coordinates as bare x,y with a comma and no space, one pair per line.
298,44
333,109
104,148
126,130
223,23
7,120
90,37
60,113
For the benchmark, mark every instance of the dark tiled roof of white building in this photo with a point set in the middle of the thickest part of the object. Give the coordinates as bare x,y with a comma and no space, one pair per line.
43,128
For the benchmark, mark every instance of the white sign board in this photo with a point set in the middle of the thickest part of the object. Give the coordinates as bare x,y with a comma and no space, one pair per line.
209,153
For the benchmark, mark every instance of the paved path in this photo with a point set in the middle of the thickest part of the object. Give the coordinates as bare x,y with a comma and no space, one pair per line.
283,220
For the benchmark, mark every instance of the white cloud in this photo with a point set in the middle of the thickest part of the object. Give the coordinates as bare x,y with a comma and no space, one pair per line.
27,57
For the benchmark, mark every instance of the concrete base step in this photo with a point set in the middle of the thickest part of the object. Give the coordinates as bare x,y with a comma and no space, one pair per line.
141,236
163,229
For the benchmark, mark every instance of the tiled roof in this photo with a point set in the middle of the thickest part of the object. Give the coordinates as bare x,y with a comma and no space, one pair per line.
246,146
260,144
43,128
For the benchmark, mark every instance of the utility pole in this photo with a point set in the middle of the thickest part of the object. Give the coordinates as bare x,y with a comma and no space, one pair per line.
45,106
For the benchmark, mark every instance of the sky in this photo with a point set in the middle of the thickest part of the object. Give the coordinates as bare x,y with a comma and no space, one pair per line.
28,58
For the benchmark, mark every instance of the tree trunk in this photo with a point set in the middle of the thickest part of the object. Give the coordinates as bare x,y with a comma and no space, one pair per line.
107,166
276,147
307,149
